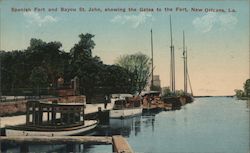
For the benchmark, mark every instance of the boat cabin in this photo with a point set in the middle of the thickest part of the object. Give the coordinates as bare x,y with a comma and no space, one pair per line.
127,103
53,114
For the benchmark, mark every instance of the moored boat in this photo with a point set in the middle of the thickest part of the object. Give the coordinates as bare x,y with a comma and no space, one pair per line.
52,119
126,107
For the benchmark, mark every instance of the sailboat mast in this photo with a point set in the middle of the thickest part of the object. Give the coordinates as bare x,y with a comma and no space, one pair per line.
152,56
172,61
185,64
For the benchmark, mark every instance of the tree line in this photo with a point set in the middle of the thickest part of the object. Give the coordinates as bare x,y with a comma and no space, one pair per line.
245,93
42,63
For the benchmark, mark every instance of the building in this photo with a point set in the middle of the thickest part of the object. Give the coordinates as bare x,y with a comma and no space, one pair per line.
157,81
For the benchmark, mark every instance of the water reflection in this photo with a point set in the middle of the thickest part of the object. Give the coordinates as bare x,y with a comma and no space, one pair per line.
127,126
149,119
248,103
208,125
122,127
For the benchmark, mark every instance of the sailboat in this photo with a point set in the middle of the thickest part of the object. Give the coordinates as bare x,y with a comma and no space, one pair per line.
178,101
187,97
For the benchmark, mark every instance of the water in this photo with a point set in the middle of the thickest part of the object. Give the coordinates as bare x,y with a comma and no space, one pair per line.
209,125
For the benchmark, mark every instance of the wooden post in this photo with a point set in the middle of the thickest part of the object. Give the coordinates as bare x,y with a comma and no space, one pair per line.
120,145
74,115
61,118
68,118
48,115
27,113
40,114
83,115
33,113
53,117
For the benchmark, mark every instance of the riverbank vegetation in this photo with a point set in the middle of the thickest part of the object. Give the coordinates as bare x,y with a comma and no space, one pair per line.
38,68
245,93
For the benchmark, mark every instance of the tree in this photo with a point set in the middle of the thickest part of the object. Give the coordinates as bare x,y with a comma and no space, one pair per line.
167,92
179,92
86,67
38,78
139,67
239,93
243,94
84,47
247,88
13,71
115,79
49,56
155,88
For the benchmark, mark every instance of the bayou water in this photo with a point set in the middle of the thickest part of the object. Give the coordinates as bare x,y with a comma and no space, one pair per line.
208,125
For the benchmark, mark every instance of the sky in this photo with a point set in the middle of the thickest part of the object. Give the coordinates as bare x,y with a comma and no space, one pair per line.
217,42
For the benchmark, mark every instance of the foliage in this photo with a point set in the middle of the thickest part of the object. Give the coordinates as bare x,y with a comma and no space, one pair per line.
116,80
12,66
16,66
42,63
155,88
38,77
83,49
139,67
95,77
243,94
49,56
179,92
247,88
166,92
239,93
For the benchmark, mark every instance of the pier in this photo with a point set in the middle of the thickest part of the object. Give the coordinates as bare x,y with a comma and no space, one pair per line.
57,139
119,143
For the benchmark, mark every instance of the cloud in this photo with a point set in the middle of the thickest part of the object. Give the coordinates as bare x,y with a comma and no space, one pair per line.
207,22
133,20
227,21
37,19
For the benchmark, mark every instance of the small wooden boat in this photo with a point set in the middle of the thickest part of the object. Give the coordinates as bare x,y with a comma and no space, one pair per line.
126,107
52,119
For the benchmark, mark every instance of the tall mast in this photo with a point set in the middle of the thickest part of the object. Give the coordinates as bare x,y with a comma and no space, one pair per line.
185,64
152,56
172,61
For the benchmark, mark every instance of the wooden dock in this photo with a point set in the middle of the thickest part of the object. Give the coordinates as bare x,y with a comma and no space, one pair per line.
118,142
120,145
56,139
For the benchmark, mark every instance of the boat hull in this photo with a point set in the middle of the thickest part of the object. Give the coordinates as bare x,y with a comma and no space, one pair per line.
123,113
89,125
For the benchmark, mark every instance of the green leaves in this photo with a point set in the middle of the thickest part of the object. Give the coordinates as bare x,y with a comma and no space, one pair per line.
42,63
83,49
139,67
38,77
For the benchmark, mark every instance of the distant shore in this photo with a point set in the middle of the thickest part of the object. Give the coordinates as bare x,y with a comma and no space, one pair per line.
214,96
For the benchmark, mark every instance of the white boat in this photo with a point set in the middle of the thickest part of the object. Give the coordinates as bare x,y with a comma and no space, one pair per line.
22,130
126,107
123,113
52,119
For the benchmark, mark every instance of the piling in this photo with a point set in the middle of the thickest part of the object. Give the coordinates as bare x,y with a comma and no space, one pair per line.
120,145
